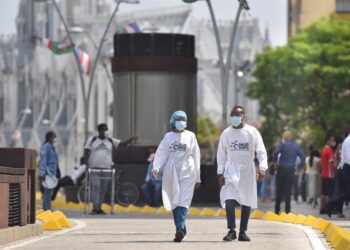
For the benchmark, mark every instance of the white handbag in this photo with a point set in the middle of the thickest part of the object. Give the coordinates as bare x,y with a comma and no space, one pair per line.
50,181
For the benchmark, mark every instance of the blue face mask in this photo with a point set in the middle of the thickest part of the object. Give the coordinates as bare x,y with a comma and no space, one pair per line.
236,120
180,125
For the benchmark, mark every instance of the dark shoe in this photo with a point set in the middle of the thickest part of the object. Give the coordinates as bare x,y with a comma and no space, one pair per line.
101,212
94,212
230,236
179,236
243,237
323,211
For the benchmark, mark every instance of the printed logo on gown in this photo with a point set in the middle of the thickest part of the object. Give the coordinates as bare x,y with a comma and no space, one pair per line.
177,146
239,146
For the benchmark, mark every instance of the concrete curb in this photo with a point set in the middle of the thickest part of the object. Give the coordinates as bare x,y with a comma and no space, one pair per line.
12,234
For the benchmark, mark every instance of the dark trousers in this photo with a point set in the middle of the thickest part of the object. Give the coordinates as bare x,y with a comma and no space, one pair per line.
179,214
65,181
284,182
152,192
340,197
231,216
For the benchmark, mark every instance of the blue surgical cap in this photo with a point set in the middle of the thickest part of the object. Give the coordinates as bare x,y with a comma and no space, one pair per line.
176,115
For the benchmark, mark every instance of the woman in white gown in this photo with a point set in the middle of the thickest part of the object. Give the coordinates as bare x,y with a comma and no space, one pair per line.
179,155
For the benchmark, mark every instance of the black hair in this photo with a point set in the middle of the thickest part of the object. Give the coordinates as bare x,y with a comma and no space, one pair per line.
329,136
238,107
48,135
102,126
312,154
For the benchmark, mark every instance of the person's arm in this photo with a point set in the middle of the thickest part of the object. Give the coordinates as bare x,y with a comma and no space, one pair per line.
43,160
302,158
260,151
221,155
128,141
197,160
277,152
160,157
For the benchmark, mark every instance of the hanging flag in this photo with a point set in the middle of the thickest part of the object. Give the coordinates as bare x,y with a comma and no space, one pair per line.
56,47
130,28
84,60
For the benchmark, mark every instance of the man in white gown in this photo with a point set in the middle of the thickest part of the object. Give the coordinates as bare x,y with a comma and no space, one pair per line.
179,155
238,146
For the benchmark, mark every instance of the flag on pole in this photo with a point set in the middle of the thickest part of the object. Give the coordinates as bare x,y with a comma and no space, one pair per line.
56,47
130,28
84,60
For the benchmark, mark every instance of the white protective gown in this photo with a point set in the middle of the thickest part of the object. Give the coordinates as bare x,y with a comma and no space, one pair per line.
235,158
179,154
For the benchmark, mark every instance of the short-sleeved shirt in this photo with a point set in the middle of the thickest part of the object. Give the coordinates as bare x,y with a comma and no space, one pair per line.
327,155
101,151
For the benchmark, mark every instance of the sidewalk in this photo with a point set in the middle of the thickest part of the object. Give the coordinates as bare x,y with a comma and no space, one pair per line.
142,231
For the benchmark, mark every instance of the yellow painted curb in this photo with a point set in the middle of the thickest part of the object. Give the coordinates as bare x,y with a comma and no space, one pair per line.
133,209
290,218
106,207
321,224
38,211
271,216
207,212
162,210
237,213
221,212
194,211
51,225
283,216
43,215
257,214
119,208
149,210
300,219
330,231
71,205
343,242
81,205
310,221
337,236
64,222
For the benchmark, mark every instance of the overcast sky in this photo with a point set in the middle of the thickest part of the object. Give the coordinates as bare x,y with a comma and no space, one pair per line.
271,13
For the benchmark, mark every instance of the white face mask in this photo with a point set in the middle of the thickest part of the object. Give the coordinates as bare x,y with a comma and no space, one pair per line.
106,133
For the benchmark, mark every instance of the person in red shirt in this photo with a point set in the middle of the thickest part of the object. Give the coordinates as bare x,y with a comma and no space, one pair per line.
328,171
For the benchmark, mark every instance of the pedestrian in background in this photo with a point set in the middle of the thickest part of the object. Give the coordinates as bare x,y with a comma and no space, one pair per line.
343,195
286,154
178,153
98,155
238,147
328,171
313,177
152,189
48,165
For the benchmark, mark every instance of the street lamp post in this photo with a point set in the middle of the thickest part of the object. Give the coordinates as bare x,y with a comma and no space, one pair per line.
100,49
224,67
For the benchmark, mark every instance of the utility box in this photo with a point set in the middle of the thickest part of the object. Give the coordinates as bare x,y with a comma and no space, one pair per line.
17,187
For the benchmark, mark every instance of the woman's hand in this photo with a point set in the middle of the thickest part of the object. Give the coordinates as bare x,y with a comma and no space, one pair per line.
198,184
154,175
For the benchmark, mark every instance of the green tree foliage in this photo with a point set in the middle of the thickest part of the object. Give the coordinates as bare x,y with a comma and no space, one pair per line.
305,85
207,131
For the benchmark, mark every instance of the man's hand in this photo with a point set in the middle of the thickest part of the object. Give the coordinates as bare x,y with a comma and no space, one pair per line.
154,175
221,180
198,184
134,137
261,175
